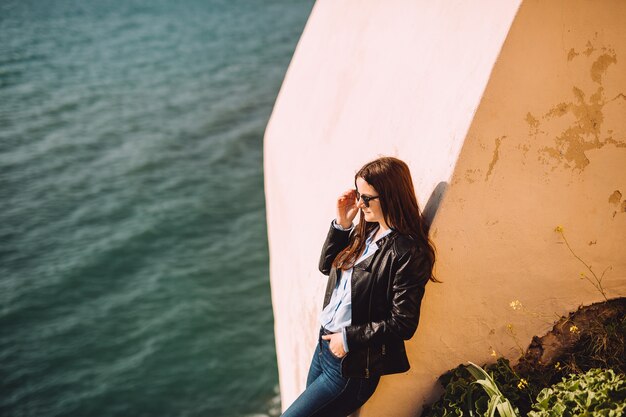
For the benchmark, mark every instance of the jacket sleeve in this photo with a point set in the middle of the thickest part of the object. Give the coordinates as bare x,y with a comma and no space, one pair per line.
336,240
408,288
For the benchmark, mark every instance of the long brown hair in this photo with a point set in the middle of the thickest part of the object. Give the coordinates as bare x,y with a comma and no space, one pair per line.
391,178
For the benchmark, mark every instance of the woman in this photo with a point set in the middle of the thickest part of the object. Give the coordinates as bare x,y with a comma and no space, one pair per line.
377,274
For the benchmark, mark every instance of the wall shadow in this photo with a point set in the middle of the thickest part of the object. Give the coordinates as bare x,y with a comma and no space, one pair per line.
432,206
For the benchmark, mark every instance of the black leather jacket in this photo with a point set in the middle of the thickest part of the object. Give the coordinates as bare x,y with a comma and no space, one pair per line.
387,290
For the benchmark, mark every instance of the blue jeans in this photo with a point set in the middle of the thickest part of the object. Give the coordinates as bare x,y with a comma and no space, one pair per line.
327,393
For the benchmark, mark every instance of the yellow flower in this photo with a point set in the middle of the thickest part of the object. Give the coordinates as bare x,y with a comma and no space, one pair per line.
558,229
574,329
522,384
493,353
515,305
509,326
557,366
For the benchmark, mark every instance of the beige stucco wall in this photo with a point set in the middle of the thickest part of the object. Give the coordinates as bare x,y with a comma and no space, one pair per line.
532,140
546,148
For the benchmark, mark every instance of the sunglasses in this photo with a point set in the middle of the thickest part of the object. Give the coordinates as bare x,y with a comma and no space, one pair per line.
366,198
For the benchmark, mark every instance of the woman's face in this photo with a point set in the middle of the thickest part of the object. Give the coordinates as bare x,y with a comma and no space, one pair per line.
373,213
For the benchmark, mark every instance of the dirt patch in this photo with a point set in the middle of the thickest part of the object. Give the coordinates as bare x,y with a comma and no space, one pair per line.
590,337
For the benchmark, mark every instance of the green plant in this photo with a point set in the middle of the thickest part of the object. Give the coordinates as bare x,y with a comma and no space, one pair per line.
463,397
458,398
497,401
597,392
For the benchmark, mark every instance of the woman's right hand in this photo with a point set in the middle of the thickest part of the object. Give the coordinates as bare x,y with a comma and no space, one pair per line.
346,208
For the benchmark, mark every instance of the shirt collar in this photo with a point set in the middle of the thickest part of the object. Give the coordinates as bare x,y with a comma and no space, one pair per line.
373,233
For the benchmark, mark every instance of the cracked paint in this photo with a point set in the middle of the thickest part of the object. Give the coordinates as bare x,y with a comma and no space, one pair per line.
616,197
532,121
571,145
524,148
496,156
599,66
585,133
471,174
468,176
533,125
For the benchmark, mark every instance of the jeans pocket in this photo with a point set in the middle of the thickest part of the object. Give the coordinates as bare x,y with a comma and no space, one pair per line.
335,356
330,352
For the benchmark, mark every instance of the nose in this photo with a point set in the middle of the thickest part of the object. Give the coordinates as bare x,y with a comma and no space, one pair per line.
360,203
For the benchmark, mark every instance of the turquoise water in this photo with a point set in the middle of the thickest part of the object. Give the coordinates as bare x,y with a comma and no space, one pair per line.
133,249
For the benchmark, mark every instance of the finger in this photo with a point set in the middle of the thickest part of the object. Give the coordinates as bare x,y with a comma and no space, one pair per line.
326,337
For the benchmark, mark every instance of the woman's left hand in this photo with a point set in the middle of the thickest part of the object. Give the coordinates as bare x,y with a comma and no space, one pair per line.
336,344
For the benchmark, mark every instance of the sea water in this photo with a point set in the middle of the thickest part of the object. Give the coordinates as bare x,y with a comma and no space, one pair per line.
133,248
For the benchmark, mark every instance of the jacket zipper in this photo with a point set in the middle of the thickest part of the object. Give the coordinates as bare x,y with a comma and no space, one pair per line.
369,319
